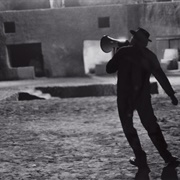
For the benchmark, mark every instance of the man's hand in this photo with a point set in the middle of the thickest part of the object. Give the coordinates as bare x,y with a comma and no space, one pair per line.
174,100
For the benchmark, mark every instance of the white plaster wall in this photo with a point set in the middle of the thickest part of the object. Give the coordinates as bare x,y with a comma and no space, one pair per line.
93,55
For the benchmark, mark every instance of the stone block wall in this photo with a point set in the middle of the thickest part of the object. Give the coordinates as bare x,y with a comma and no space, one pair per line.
61,32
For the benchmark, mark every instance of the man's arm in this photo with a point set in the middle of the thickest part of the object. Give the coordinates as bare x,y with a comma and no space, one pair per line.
162,79
112,65
116,61
165,84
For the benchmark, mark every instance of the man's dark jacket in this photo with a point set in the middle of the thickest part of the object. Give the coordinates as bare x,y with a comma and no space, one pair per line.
134,67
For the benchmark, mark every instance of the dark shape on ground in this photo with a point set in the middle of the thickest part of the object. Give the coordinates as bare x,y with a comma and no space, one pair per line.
94,90
24,96
169,172
142,174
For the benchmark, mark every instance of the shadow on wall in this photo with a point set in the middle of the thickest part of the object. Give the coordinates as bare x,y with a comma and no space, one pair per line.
26,55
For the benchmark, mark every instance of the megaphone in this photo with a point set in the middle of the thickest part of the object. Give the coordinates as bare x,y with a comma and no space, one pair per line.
108,43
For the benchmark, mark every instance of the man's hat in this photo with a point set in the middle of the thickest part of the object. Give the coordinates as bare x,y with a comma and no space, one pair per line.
140,32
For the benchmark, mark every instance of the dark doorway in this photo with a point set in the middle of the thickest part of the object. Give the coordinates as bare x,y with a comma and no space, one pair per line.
22,55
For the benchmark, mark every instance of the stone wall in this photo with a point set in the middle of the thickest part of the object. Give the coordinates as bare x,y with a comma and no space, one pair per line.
98,2
61,32
44,4
161,19
23,4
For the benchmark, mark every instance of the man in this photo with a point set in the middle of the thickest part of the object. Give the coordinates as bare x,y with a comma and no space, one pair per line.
134,64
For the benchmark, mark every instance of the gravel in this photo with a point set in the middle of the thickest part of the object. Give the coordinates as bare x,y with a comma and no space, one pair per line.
77,138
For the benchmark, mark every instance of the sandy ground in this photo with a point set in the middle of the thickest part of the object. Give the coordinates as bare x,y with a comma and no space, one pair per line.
78,138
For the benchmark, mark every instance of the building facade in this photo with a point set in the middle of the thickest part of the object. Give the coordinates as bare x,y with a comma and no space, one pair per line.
45,4
49,42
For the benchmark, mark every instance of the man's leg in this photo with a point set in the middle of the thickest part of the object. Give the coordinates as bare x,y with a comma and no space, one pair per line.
126,117
149,121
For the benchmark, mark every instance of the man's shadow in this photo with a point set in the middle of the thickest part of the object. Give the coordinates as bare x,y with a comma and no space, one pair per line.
169,172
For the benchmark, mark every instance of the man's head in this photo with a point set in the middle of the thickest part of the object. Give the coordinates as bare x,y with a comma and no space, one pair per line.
140,37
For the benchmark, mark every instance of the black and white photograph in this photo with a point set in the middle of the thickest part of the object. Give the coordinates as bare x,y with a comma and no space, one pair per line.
89,89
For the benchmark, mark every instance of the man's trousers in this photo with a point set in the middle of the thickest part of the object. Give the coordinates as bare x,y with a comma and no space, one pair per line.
148,120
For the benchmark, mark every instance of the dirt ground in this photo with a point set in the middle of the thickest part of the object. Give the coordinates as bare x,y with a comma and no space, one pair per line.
78,138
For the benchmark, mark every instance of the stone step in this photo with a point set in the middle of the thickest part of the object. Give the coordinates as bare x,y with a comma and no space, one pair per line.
86,90
52,92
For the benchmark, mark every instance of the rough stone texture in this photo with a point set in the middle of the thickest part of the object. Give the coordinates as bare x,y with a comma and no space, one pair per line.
78,138
8,95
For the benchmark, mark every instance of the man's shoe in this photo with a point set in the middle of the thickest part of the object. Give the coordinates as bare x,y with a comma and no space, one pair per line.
139,164
172,160
142,174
